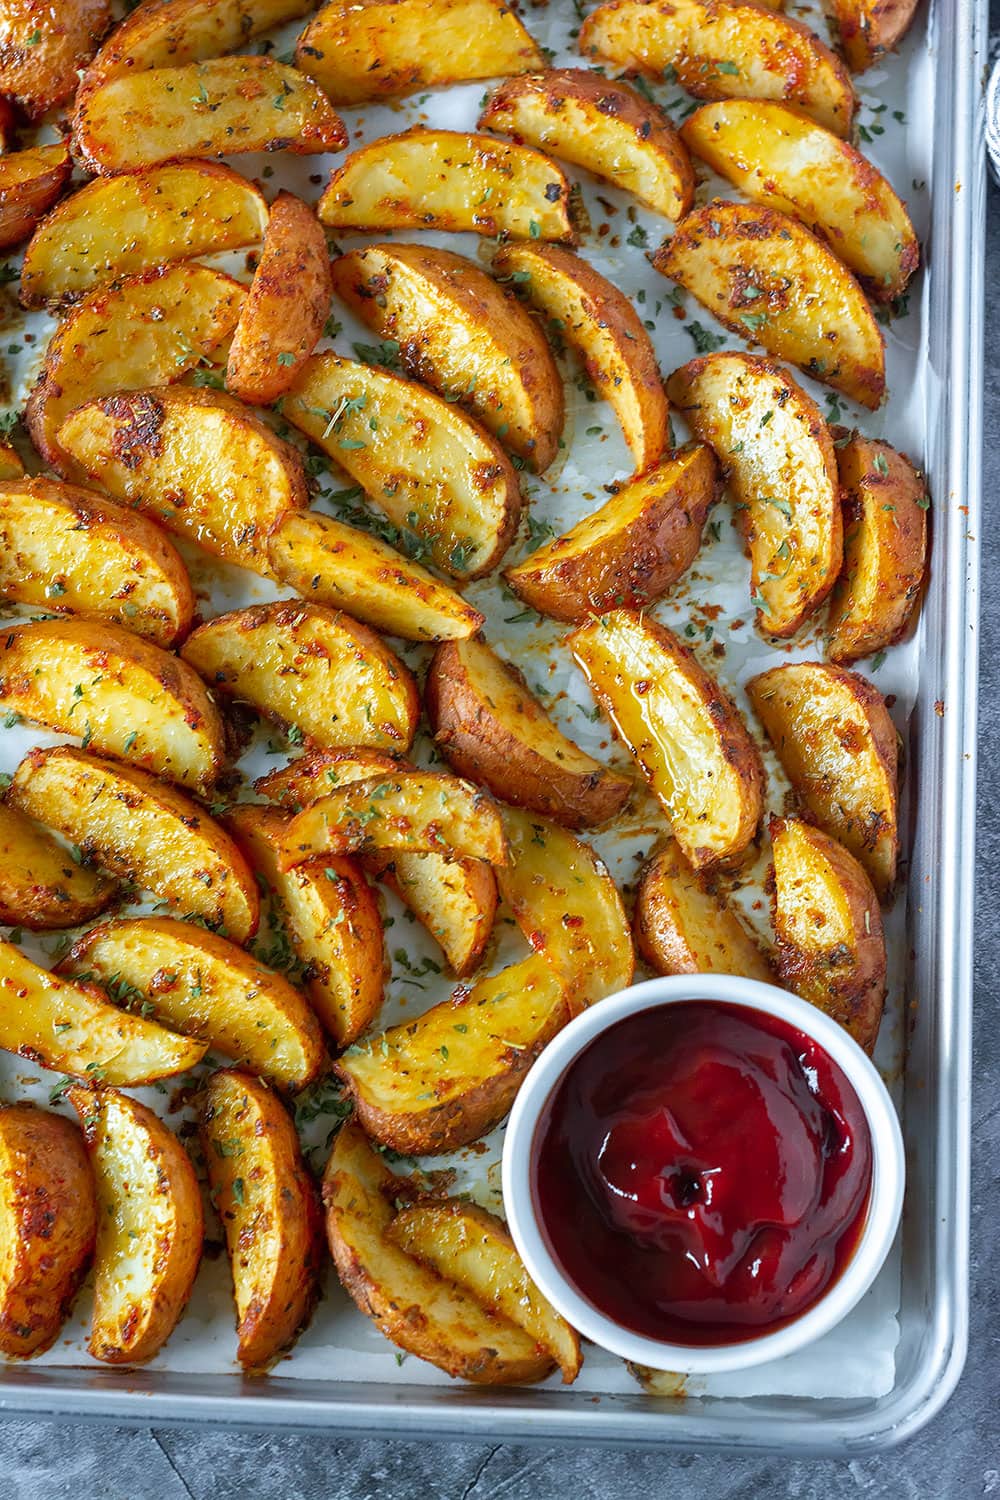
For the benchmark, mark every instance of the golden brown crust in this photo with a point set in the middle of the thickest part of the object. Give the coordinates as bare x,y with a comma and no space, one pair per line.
871,28
43,46
683,925
30,182
41,886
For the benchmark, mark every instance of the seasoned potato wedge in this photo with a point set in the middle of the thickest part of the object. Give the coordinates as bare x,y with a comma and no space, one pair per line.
779,462
870,28
608,128
464,336
142,830
631,550
421,461
492,730
30,182
831,949
269,1209
203,986
684,926
11,466
195,460
150,1225
48,1225
43,46
41,886
313,775
69,550
684,732
766,278
445,179
605,330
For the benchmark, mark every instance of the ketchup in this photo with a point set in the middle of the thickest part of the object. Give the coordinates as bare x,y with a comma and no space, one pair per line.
702,1173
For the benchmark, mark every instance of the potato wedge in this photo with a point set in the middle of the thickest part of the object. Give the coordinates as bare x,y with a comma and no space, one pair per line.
411,1304
150,1226
605,330
48,1225
608,128
203,986
196,461
30,182
310,667
631,550
779,462
831,949
492,730
43,46
684,926
871,28
436,475
738,50
885,549
317,772
11,466
41,886
142,830
269,1209
779,159
69,550
767,279
684,732
464,336
832,733
445,179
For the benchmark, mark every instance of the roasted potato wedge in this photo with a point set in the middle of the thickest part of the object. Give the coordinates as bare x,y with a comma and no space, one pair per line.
44,45
269,1209
48,1225
150,1225
311,776
831,949
684,926
11,466
630,551
492,730
142,830
41,886
779,462
464,336
684,732
871,28
30,182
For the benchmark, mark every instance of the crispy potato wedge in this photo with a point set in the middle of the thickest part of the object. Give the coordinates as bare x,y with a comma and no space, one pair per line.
30,182
871,28
684,926
196,461
683,730
142,830
269,1209
11,466
317,772
41,886
423,463
631,550
831,949
48,1225
608,128
885,549
779,462
768,279
605,330
464,336
150,1225
492,730
43,46
69,550
203,986
445,179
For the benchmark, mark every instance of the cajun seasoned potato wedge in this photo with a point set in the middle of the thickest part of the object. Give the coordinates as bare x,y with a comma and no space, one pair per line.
464,336
766,278
11,466
684,926
30,182
885,549
150,1225
420,460
142,830
147,330
123,226
310,667
608,128
197,461
311,776
630,551
738,50
684,732
203,986
48,1225
830,945
871,28
41,886
412,1305
43,46
269,1209
445,179
472,1248
69,550
779,462
601,324
778,158
492,730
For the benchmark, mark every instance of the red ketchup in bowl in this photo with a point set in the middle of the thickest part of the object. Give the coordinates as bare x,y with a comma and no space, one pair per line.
702,1173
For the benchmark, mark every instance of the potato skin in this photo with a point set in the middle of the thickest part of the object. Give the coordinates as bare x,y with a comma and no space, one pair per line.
683,926
30,182
42,46
870,28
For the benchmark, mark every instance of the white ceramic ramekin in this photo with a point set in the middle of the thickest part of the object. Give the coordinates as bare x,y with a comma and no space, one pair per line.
885,1201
